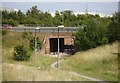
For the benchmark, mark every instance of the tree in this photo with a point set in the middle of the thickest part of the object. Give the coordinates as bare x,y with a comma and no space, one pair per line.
91,34
5,14
10,18
33,12
114,28
70,19
10,22
21,17
57,20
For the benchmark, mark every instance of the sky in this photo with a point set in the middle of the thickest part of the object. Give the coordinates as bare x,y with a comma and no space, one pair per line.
101,7
60,0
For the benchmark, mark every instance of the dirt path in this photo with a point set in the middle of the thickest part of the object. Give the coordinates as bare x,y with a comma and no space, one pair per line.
19,72
74,73
54,64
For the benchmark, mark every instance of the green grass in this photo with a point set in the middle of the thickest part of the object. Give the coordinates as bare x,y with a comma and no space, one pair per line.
0,58
0,72
100,63
38,60
11,39
37,68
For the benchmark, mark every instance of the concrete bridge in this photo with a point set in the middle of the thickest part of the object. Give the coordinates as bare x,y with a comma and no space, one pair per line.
50,41
44,29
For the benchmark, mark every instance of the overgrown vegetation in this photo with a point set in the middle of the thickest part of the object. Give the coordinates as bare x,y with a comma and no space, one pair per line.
93,32
35,17
12,39
100,62
28,35
96,31
21,53
4,32
31,39
114,28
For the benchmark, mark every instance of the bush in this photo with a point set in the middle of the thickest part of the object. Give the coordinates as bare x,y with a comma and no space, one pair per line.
39,44
31,39
28,35
21,53
32,44
91,35
10,22
4,32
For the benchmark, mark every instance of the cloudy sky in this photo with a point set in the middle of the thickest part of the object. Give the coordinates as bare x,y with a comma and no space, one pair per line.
60,0
101,7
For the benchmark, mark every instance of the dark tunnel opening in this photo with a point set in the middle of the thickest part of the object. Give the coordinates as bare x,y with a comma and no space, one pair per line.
54,44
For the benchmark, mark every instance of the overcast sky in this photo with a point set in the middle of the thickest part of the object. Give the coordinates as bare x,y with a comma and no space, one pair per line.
100,7
60,0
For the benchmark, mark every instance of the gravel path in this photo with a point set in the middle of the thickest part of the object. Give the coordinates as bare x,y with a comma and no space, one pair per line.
76,74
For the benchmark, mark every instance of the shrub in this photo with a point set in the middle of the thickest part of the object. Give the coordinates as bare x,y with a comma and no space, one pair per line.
4,32
28,35
31,39
21,53
32,43
39,43
10,22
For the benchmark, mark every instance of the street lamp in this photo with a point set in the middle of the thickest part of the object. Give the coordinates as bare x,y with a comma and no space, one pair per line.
37,28
61,26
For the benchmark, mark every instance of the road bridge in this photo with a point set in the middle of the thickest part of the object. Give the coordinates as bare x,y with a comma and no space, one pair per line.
50,41
44,29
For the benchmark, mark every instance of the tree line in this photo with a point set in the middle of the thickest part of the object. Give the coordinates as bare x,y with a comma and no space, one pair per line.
93,30
97,31
35,17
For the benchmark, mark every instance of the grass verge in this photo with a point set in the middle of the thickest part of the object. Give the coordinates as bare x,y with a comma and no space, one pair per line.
100,63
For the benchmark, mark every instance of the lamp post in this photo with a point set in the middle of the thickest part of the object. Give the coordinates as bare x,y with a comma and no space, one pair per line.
61,26
37,28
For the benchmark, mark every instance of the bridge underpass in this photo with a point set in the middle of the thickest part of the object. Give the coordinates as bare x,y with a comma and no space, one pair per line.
54,44
51,37
66,43
44,29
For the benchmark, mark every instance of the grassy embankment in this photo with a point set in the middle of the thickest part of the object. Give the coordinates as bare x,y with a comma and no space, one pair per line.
13,39
17,72
100,62
0,56
37,68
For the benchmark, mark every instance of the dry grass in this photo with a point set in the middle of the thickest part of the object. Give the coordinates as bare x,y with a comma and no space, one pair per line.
0,72
100,62
12,39
15,72
36,69
0,57
99,54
